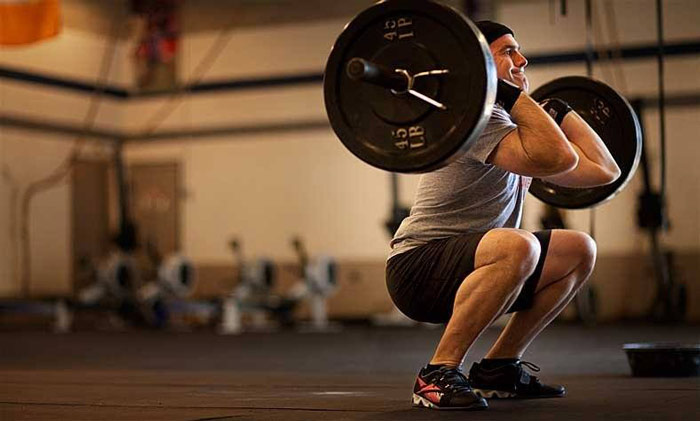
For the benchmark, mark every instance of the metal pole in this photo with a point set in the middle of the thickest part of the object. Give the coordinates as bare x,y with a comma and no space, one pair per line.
589,73
589,39
394,190
662,99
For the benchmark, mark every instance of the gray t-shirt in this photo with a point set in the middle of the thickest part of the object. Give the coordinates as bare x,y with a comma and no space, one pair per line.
468,195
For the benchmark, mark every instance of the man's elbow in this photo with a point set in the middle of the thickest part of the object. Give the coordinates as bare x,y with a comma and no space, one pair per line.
561,162
601,177
610,175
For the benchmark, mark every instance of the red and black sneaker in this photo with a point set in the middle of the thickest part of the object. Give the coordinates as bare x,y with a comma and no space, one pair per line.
445,388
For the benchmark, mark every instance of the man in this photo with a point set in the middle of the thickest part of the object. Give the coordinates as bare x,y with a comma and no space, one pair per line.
460,259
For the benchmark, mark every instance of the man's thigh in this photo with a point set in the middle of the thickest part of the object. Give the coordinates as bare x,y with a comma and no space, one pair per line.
498,243
423,282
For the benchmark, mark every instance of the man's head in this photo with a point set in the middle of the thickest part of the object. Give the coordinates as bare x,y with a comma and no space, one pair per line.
510,63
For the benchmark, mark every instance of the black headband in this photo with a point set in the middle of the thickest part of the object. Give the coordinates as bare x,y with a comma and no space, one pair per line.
493,30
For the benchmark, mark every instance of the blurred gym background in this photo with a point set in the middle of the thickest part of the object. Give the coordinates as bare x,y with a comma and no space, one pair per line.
178,221
201,123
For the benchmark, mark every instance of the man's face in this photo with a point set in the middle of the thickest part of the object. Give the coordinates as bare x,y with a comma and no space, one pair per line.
510,64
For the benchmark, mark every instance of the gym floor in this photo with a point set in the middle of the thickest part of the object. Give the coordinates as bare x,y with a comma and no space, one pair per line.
359,373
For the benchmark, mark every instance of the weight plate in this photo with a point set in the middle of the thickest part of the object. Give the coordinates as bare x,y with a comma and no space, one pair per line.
399,132
612,117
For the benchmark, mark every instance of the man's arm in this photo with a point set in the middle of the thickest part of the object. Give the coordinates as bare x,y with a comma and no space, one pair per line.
596,166
537,147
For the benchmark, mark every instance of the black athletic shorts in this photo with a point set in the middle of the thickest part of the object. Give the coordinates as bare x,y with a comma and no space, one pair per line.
423,282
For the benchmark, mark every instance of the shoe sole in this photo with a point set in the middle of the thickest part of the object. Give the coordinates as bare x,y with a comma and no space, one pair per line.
500,394
421,402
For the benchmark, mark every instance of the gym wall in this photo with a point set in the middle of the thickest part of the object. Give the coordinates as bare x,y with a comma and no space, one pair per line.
270,167
28,155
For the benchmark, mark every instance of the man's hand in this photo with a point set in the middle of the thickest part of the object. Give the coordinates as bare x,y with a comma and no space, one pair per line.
556,108
507,94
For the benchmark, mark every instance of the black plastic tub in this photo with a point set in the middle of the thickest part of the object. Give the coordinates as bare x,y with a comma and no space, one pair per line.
663,359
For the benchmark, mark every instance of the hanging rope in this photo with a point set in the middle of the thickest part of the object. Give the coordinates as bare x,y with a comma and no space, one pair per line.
616,48
605,59
204,65
589,73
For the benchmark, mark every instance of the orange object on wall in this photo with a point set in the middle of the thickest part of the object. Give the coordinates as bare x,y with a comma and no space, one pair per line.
28,21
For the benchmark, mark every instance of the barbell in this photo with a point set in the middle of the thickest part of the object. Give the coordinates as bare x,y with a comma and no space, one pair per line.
410,85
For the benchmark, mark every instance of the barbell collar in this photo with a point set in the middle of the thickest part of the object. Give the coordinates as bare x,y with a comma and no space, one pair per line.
359,69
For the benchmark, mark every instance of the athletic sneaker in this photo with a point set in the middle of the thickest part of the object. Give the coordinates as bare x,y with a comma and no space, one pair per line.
445,388
510,380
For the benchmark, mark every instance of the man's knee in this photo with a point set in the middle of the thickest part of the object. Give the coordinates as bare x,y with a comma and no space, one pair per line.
585,249
517,250
582,251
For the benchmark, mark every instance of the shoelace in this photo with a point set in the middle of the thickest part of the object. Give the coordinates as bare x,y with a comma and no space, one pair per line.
453,379
529,365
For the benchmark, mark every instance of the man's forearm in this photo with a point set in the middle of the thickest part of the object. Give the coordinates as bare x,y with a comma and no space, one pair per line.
543,141
590,146
596,166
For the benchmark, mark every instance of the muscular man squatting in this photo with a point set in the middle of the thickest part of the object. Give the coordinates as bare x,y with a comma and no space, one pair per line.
460,258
